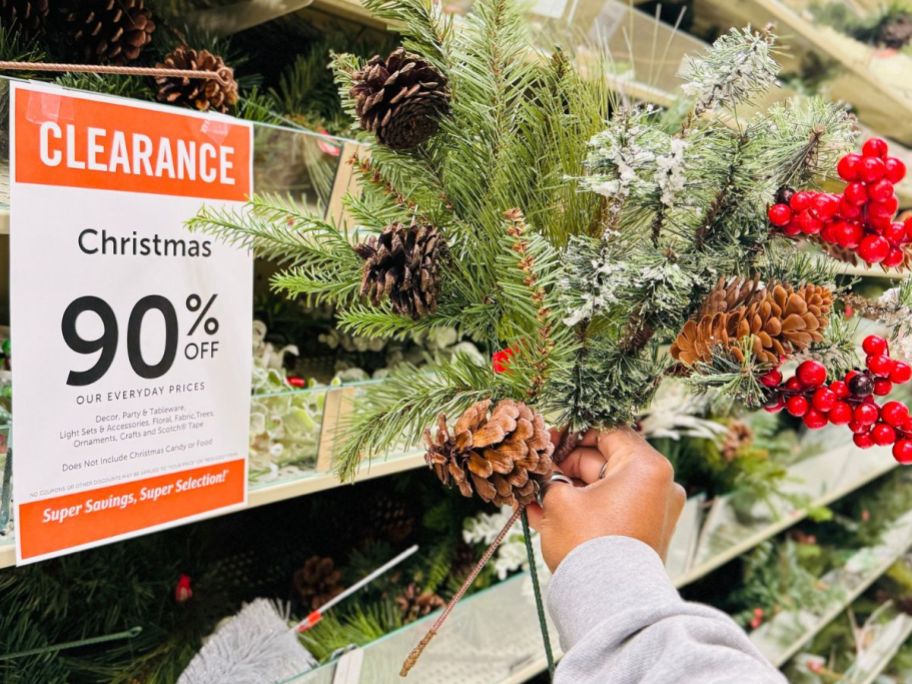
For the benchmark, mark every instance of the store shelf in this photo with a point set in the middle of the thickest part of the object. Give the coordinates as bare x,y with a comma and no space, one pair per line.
875,659
292,487
875,82
784,636
240,16
822,479
4,221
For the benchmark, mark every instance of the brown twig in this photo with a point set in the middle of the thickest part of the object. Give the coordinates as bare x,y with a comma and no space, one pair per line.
416,652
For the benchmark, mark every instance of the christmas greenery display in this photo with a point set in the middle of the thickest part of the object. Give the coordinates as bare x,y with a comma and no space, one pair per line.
576,248
575,237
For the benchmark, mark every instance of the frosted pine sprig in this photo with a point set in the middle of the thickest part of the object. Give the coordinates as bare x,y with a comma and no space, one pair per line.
735,68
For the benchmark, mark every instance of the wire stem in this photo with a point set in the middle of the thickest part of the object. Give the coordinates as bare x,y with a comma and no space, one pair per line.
536,590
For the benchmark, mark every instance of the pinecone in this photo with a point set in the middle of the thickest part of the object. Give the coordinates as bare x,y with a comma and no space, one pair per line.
895,32
402,264
317,581
108,31
28,15
390,519
400,99
739,435
503,456
416,604
198,93
778,319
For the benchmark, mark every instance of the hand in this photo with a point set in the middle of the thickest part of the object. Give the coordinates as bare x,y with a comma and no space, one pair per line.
635,497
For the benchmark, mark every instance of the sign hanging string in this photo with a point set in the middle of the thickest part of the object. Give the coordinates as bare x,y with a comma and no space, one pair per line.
223,75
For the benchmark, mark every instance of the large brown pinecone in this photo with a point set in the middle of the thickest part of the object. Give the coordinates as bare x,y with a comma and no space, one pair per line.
778,320
27,15
198,93
108,31
415,603
317,581
895,32
400,99
502,455
402,264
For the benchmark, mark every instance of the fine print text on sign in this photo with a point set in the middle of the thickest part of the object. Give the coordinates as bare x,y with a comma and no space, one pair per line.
132,372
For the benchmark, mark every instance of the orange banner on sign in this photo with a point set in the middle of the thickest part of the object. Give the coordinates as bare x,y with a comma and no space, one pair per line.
61,522
68,140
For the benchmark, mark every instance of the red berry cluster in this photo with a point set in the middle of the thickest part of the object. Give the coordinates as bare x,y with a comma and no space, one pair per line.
861,218
850,401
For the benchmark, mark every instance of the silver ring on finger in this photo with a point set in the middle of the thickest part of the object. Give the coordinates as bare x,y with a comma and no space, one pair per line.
555,477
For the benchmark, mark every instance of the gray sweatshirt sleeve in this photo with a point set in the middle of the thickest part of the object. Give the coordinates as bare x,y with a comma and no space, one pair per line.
621,621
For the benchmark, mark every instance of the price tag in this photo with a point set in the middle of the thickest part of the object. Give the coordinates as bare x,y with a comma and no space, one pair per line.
131,382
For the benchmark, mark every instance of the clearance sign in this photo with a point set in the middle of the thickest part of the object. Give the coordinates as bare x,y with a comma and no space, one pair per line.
132,334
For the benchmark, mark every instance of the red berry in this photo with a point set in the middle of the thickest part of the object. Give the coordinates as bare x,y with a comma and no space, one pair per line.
830,233
877,223
873,249
882,387
866,414
851,374
886,207
874,345
779,215
896,169
824,399
811,373
883,434
872,169
879,364
894,258
801,200
840,414
793,384
902,451
814,419
850,210
894,413
875,147
894,233
792,228
855,193
825,205
772,378
863,440
900,373
840,389
881,190
774,406
858,428
849,234
849,167
797,405
810,224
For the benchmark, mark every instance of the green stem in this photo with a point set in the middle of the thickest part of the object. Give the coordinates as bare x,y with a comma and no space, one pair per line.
536,589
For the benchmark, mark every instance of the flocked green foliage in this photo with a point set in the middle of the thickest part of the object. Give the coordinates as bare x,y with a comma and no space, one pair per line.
628,217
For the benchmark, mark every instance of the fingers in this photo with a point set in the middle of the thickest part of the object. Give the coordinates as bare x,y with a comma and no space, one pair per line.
621,444
674,504
554,492
584,464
